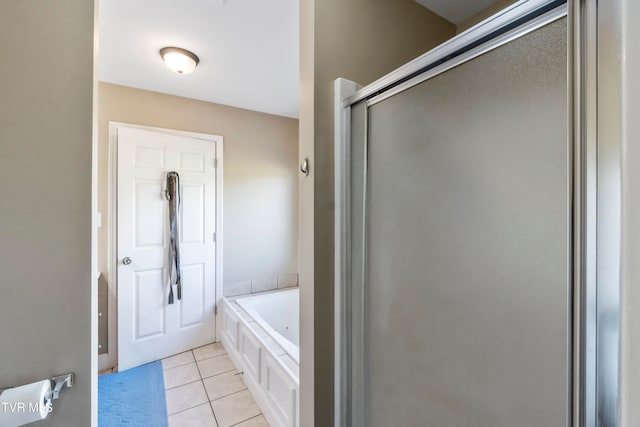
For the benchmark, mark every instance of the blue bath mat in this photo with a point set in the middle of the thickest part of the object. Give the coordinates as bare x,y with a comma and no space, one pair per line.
133,398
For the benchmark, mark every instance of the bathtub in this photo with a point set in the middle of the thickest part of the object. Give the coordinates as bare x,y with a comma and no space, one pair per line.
278,313
261,335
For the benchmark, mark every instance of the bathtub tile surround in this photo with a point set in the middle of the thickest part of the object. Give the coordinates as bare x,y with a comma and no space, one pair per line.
216,397
237,288
267,283
259,330
244,314
273,346
264,284
287,280
260,335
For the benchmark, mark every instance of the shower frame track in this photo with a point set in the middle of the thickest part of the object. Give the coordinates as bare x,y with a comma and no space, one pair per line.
590,137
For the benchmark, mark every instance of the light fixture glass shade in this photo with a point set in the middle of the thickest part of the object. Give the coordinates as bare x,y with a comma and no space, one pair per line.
179,60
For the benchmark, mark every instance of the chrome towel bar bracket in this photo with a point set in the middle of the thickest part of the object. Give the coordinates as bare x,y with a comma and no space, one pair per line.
60,382
57,384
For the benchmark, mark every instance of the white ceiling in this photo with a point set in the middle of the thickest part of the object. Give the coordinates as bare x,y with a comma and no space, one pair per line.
248,49
456,11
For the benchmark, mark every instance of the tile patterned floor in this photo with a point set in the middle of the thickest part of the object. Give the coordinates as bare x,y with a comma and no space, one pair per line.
204,389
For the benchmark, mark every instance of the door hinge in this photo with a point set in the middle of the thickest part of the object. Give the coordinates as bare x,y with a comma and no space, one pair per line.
215,238
215,310
215,163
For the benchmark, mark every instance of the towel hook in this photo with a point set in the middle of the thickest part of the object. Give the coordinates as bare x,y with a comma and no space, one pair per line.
304,167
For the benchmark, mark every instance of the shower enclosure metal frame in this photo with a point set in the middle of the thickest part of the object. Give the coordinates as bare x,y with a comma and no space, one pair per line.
594,138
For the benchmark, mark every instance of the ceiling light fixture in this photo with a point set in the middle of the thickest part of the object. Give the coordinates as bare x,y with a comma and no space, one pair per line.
179,60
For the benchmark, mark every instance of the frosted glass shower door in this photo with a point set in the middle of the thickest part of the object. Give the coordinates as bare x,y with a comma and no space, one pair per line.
460,245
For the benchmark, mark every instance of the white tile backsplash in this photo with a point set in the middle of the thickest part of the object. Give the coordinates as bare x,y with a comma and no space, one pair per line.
237,288
287,280
268,283
264,284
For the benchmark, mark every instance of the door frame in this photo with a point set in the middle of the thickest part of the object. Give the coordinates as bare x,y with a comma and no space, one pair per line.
594,70
112,240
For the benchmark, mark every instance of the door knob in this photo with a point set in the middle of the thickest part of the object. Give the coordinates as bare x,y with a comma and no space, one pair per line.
126,260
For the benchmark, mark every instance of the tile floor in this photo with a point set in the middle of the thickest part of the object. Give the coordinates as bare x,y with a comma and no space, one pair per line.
204,389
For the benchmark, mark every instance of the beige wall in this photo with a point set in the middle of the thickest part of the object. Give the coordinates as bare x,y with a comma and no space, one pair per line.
481,16
360,40
306,213
46,82
260,181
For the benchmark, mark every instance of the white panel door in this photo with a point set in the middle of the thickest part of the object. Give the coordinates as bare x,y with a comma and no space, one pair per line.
148,327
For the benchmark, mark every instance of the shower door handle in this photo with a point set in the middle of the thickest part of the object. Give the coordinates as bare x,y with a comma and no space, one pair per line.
126,260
